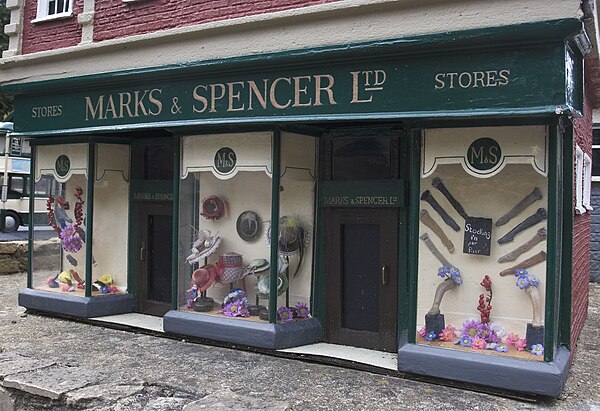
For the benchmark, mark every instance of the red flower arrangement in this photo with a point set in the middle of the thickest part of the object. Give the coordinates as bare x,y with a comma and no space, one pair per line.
485,302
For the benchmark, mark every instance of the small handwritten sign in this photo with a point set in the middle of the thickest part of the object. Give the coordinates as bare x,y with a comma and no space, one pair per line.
478,236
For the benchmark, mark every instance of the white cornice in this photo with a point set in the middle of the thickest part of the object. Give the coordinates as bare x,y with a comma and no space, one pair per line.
342,22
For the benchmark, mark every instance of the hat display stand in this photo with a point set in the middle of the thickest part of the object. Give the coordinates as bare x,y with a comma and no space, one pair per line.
203,303
256,267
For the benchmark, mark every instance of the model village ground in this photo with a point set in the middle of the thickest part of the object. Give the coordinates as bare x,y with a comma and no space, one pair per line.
49,363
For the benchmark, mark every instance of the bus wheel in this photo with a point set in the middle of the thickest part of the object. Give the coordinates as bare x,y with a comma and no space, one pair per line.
11,222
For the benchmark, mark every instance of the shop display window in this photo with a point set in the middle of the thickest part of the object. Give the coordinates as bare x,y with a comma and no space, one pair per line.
111,212
225,227
58,264
482,248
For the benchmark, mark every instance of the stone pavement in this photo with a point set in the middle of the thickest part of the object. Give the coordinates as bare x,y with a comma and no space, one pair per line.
54,364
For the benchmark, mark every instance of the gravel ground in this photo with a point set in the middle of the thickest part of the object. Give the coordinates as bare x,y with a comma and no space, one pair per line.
68,365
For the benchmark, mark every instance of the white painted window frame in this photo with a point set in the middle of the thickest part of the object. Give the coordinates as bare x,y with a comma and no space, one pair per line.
587,182
42,12
597,177
579,208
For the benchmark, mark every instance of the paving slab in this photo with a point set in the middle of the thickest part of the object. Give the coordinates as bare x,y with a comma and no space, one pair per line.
52,382
227,400
11,363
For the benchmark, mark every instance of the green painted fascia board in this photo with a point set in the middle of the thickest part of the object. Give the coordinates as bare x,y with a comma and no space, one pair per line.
541,111
543,32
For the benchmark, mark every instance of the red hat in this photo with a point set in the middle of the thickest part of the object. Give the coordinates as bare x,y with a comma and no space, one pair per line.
204,277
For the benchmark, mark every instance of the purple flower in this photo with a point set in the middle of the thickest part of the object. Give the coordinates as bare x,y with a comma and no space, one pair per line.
192,294
491,346
442,271
519,272
533,280
471,328
302,310
68,231
235,309
457,279
430,335
466,341
236,295
537,349
523,282
285,314
501,348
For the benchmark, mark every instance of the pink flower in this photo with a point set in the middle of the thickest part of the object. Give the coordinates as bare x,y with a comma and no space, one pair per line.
422,331
64,287
448,334
520,344
512,339
479,344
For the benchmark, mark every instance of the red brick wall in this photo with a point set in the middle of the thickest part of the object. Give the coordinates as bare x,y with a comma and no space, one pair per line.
581,237
49,35
114,18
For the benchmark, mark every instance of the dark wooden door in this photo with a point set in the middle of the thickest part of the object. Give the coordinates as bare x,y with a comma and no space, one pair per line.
152,211
155,239
361,261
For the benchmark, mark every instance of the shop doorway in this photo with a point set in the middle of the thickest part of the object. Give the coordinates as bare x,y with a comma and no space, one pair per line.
152,209
361,262
155,240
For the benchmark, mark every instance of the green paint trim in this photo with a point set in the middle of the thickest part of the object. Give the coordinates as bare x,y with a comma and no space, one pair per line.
546,111
413,234
175,205
31,227
276,156
63,139
89,221
565,319
526,33
552,242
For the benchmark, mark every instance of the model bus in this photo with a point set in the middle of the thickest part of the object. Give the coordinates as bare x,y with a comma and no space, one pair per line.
16,204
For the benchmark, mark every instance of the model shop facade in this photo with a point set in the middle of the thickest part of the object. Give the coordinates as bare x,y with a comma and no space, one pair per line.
404,196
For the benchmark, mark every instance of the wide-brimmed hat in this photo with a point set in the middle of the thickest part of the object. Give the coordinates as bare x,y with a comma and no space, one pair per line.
257,266
205,245
263,285
213,207
248,226
292,237
204,277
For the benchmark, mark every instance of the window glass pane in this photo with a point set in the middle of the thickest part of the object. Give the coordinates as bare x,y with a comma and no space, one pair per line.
224,210
111,213
16,184
596,162
471,247
361,159
58,264
596,136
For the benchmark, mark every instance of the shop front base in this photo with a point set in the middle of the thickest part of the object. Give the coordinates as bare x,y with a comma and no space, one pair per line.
532,377
84,307
250,333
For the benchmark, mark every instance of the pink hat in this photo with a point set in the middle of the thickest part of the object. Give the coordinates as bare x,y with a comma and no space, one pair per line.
204,277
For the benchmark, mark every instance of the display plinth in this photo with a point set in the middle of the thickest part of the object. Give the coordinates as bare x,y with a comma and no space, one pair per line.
250,333
534,335
435,323
67,304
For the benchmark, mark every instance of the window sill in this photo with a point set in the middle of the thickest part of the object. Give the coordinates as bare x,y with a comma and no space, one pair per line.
52,17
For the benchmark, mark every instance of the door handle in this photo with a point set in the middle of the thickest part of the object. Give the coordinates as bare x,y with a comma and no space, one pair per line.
142,251
384,277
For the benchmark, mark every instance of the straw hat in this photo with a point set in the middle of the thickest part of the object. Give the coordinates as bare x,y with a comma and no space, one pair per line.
257,266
